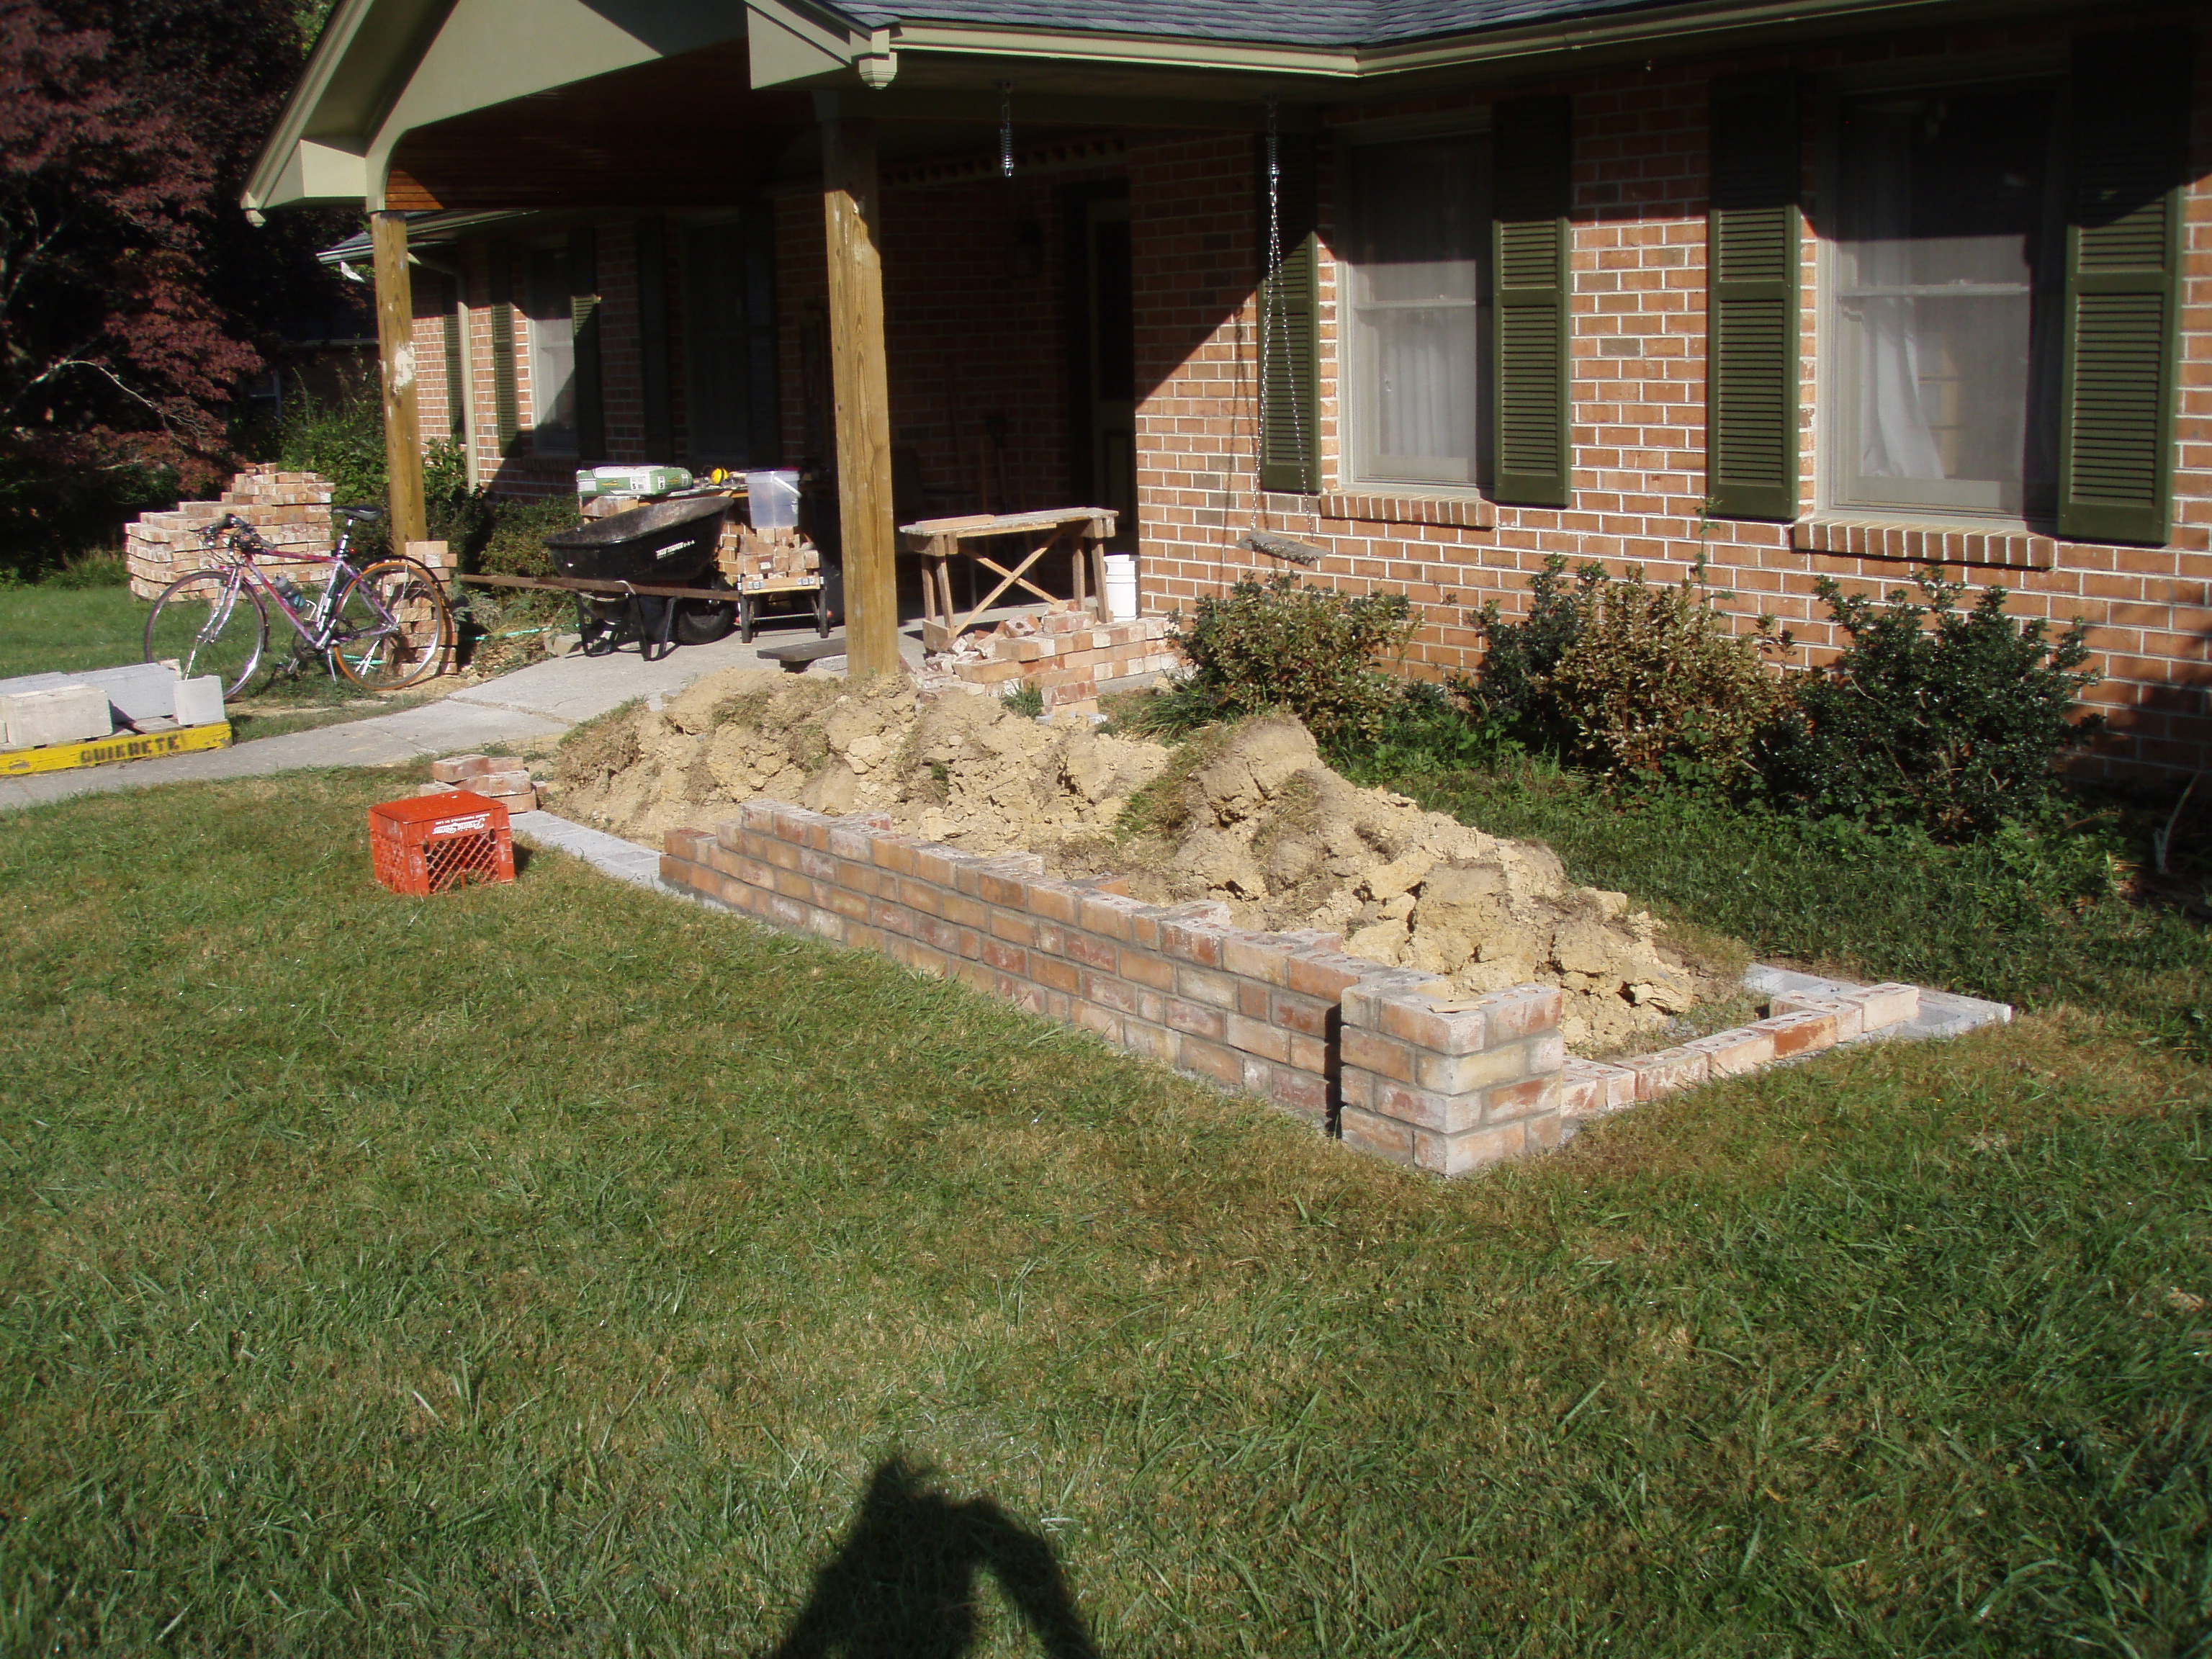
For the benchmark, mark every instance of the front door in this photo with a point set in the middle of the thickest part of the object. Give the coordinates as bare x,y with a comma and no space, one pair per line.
1110,334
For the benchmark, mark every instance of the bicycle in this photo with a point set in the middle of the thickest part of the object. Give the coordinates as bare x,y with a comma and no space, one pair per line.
386,626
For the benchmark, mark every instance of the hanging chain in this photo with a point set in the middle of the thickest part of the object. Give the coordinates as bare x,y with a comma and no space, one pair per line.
1006,129
1271,309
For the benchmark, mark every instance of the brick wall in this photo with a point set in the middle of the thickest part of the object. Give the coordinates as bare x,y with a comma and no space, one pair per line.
1639,354
1442,1085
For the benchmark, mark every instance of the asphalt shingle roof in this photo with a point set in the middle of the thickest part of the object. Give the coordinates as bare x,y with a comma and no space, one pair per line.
1274,22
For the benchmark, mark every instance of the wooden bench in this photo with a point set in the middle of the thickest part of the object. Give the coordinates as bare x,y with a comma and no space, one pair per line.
1084,530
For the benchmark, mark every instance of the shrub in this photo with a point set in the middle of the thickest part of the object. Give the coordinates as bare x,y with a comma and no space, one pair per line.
1518,657
1934,716
1432,729
1275,644
1653,683
341,440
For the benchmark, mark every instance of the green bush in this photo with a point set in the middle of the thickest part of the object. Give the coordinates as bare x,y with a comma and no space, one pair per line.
1518,657
1312,651
1637,682
341,440
1947,719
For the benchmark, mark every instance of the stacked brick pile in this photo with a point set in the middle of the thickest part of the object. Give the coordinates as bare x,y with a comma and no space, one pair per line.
502,778
291,510
1443,1085
1069,655
770,558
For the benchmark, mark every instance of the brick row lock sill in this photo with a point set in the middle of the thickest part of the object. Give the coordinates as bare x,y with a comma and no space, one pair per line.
1851,536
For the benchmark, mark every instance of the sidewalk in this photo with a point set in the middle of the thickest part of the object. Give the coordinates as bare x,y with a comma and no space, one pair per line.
542,701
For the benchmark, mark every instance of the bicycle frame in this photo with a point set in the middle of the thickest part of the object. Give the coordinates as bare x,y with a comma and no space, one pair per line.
314,624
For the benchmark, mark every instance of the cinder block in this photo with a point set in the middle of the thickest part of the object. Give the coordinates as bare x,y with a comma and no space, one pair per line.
67,714
199,702
1887,1004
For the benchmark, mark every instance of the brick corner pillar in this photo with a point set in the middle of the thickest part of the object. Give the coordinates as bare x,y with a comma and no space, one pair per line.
860,390
1451,1085
395,344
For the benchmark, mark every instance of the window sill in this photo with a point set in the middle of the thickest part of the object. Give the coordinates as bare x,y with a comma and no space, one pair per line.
1918,542
1465,512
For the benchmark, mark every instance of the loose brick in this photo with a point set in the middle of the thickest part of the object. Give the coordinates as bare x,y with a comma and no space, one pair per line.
1667,1071
1733,1053
1799,1034
1887,1004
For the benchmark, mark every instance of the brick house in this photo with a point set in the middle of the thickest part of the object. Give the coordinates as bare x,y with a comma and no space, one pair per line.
1833,289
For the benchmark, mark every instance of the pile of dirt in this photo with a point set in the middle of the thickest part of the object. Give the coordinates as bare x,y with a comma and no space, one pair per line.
1248,815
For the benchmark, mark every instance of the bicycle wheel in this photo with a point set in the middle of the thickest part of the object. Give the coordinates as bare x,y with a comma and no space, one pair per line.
392,626
208,626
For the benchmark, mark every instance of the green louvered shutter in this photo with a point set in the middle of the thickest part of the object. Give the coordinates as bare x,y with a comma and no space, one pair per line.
456,386
2130,156
506,415
1751,297
1290,400
1532,148
584,315
653,339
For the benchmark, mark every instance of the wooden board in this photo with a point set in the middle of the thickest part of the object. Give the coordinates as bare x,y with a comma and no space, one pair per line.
150,745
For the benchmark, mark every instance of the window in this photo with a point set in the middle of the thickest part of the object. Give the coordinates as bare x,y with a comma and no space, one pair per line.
1946,306
552,349
1414,302
729,335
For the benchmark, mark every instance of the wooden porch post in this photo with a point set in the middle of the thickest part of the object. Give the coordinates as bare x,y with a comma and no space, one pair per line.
395,350
861,396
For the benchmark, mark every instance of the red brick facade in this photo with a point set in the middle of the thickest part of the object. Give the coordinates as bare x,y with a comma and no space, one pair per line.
977,328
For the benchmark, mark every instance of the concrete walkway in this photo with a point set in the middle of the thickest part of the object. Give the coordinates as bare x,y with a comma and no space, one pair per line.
542,701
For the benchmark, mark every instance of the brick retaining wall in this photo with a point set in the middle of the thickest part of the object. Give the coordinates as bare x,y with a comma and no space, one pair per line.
1407,1070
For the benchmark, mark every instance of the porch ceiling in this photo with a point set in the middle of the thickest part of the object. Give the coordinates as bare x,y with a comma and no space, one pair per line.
692,131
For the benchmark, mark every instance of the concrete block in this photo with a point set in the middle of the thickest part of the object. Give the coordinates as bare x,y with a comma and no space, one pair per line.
67,714
199,702
136,691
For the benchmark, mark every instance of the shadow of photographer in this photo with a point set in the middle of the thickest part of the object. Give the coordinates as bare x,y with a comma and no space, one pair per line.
904,1583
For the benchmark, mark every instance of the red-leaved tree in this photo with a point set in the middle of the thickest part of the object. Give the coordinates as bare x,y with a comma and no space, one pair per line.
134,297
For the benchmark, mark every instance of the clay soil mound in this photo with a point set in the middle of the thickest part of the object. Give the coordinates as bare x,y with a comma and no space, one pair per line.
1249,814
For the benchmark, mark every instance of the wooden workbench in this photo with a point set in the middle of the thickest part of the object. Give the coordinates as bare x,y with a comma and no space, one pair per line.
1083,530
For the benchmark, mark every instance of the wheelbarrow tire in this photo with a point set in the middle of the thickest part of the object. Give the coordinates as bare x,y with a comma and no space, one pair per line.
699,621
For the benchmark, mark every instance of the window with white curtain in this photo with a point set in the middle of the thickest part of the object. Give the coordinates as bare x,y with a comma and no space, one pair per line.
1947,269
552,349
1416,223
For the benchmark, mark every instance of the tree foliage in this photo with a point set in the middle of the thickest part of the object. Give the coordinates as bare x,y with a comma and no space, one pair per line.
135,298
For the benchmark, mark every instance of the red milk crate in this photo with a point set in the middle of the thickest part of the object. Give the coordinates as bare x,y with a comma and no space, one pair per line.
431,842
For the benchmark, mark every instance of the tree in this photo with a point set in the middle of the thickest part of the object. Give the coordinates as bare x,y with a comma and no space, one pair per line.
134,299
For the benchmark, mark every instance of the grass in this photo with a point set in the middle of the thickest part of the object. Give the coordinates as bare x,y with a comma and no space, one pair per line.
48,628
2029,920
560,1269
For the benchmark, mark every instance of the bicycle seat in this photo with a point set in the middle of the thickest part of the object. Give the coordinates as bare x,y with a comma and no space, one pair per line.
358,512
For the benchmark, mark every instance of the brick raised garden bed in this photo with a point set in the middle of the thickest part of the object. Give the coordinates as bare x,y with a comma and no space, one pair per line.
1389,1057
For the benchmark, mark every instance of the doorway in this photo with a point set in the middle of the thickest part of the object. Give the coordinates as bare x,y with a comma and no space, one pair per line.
1105,363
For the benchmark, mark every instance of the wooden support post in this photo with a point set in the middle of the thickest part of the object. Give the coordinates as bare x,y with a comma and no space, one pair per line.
862,395
395,342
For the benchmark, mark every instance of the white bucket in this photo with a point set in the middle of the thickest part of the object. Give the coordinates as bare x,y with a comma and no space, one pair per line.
772,500
1122,586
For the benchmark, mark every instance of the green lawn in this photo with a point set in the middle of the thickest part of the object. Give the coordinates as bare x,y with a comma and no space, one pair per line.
561,1269
46,628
